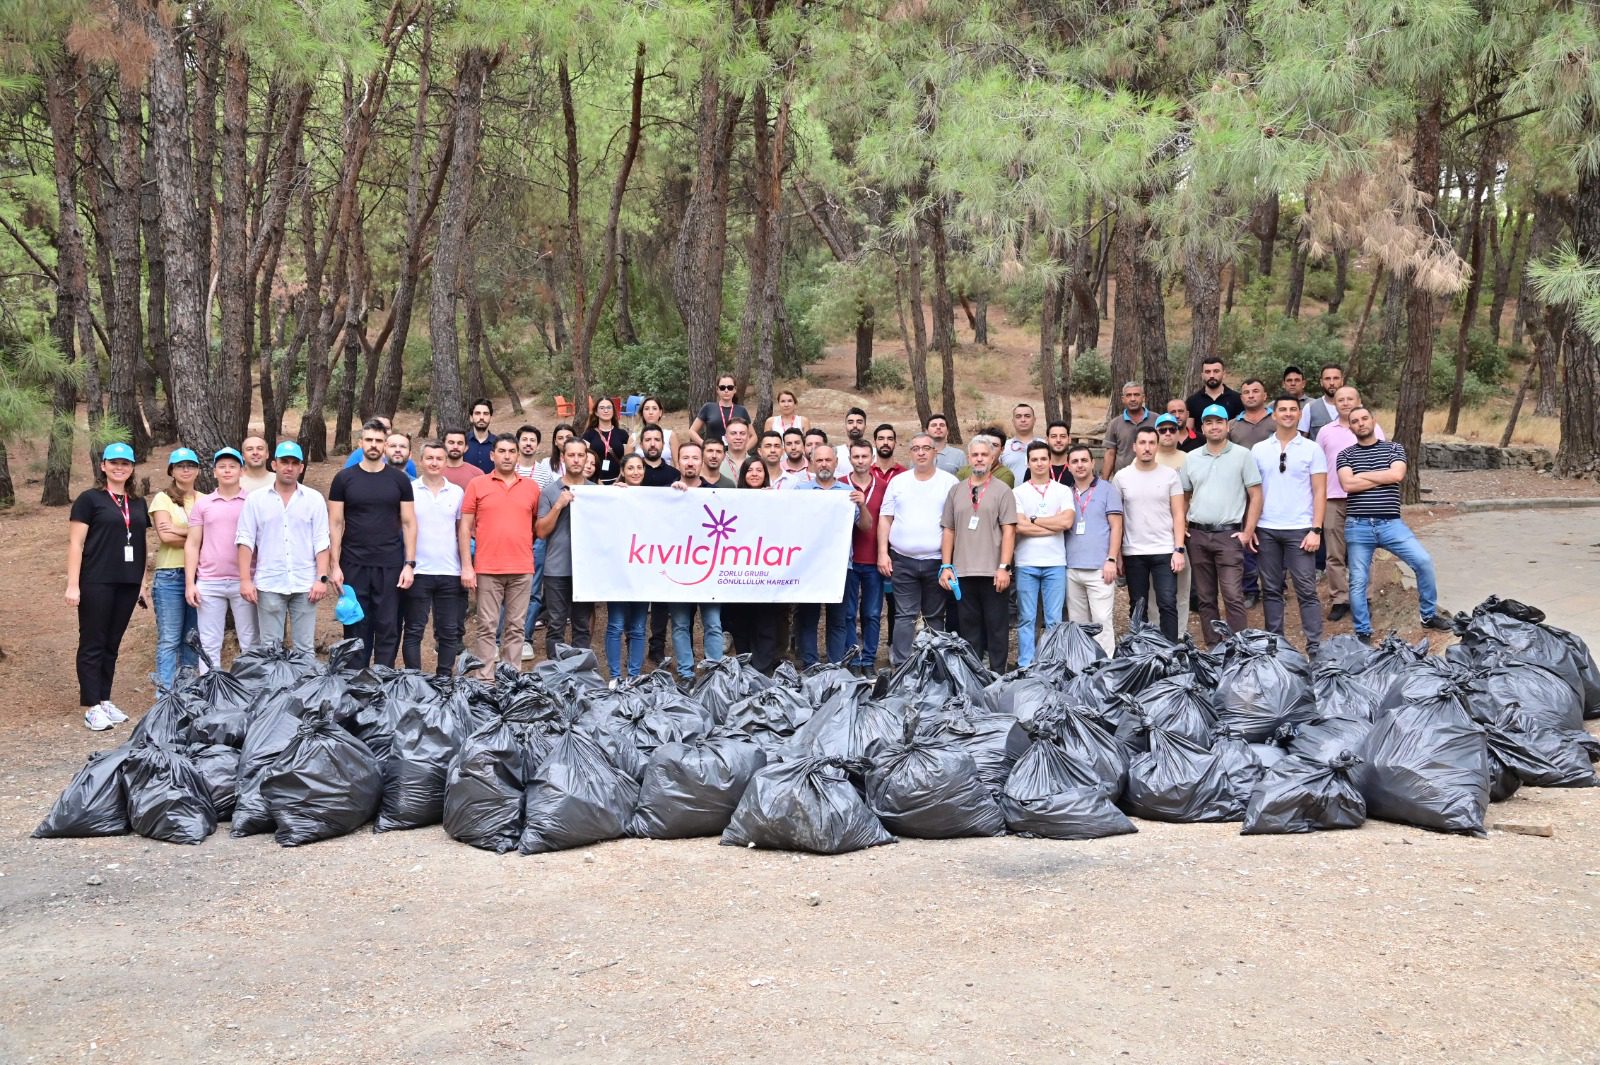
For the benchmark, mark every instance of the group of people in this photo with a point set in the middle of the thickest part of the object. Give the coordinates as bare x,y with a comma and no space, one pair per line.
480,521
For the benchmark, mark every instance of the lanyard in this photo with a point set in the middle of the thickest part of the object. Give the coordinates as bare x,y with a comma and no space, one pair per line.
1059,478
977,499
126,506
1043,492
727,413
1081,501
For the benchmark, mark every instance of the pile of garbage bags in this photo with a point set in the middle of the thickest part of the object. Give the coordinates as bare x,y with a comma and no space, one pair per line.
1077,746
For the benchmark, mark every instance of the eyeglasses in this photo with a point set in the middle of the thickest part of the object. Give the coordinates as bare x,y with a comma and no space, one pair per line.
921,447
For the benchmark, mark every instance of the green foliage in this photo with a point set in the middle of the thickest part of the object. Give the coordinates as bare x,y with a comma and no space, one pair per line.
887,375
1442,382
651,368
1262,348
1091,374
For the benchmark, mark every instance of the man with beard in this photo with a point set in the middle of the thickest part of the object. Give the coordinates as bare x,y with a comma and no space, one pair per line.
855,425
712,454
457,470
1059,439
770,450
658,473
1212,390
947,456
372,533
1324,411
794,464
884,441
480,448
528,441
255,474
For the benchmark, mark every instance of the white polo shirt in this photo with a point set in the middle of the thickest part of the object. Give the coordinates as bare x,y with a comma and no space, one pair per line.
1286,497
438,553
916,507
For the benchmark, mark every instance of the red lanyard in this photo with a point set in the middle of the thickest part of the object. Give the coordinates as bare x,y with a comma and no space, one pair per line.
727,414
1062,479
1043,493
977,497
1081,502
125,505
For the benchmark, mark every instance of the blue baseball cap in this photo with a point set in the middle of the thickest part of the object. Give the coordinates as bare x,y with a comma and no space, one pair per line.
1215,410
181,454
289,450
1166,419
118,450
228,453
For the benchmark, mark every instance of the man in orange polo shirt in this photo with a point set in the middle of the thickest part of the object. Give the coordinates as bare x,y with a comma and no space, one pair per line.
498,510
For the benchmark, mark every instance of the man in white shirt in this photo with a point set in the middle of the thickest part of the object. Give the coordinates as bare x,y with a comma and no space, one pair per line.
436,589
1044,515
1152,531
528,441
255,474
1294,491
1015,455
283,552
909,542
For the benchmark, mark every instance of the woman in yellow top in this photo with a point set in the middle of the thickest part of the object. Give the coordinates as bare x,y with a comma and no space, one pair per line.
175,618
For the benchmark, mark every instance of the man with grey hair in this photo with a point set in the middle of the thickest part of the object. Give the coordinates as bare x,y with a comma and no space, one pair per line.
1123,427
978,536
909,544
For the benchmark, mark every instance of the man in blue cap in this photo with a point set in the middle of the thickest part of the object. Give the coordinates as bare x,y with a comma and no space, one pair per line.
1224,490
283,552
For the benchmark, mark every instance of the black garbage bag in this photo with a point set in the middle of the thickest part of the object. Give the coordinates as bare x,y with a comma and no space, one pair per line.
339,685
569,659
1324,739
575,797
770,716
1180,781
1264,683
941,666
1502,681
168,798
1389,659
1263,642
630,729
808,804
1538,754
94,803
1143,657
1179,704
1054,796
217,690
847,726
1341,693
826,679
325,783
1345,652
691,787
1070,644
1427,766
219,765
1432,681
722,683
1306,795
272,726
929,789
1025,693
1270,754
785,675
995,741
169,717
273,667
483,788
1086,741
416,765
225,725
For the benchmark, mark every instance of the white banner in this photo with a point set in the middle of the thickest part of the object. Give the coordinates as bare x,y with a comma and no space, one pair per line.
709,545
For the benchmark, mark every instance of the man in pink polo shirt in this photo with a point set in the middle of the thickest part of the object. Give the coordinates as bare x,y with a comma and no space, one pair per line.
211,559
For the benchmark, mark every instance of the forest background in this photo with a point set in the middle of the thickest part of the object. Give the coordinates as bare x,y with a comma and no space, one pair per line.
225,211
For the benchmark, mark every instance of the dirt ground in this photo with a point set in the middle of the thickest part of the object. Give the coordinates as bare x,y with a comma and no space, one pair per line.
1178,944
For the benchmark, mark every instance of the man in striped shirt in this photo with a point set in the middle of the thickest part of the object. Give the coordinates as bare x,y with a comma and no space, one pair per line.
1371,470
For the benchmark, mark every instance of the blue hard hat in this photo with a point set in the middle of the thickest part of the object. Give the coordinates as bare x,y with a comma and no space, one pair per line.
1215,410
289,450
181,454
118,450
228,453
1166,419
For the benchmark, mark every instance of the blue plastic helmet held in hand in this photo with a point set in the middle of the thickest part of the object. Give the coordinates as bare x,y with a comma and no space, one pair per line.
348,609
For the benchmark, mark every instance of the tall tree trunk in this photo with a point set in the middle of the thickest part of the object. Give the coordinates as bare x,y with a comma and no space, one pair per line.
1516,407
758,246
771,216
1546,330
1264,226
471,76
1579,453
1503,266
627,335
1049,324
499,372
1474,241
1125,314
1202,282
1298,253
127,327
1413,402
157,409
1341,279
1152,310
865,323
355,314
1394,319
235,292
698,250
193,401
8,490
919,332
1361,324
477,383
980,324
1086,337
943,312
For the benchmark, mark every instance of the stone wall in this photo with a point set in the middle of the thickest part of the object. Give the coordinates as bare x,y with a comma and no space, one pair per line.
1452,456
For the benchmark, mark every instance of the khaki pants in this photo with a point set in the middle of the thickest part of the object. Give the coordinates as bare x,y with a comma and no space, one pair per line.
1333,539
495,590
1091,601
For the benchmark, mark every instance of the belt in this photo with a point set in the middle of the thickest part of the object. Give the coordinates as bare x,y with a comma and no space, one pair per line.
1225,527
1371,517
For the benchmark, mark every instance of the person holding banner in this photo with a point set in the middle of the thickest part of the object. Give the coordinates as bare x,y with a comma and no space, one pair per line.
756,626
979,536
806,615
555,528
497,511
627,618
909,540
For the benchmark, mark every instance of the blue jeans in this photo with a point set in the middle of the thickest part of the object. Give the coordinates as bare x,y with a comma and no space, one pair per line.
1031,581
626,618
175,620
863,598
683,635
1363,536
806,616
536,596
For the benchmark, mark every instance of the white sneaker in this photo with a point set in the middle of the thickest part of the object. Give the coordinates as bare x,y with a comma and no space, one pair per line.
113,712
95,719
613,685
527,651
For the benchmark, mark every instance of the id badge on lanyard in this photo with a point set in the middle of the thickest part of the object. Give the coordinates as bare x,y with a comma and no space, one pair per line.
126,508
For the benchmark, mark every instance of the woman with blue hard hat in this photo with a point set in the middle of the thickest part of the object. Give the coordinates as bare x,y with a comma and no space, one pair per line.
105,579
175,618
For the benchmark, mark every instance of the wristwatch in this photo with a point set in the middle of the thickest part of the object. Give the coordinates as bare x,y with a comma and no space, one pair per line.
1180,550
323,578
1006,566
1317,529
411,562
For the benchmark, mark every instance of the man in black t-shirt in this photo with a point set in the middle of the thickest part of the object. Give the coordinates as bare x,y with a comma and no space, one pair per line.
658,472
372,529
1212,390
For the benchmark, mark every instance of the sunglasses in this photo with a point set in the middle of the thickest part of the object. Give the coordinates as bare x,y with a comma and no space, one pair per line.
974,496
1166,429
1283,462
725,388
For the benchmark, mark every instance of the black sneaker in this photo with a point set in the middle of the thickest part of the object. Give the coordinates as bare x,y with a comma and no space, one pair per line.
1250,601
1365,638
1438,623
1338,612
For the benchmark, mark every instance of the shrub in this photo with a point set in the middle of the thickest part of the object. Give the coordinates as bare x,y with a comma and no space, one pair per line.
657,368
1091,374
1442,381
887,375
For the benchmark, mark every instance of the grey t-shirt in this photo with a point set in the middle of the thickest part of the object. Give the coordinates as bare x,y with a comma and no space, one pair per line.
558,545
976,552
950,458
